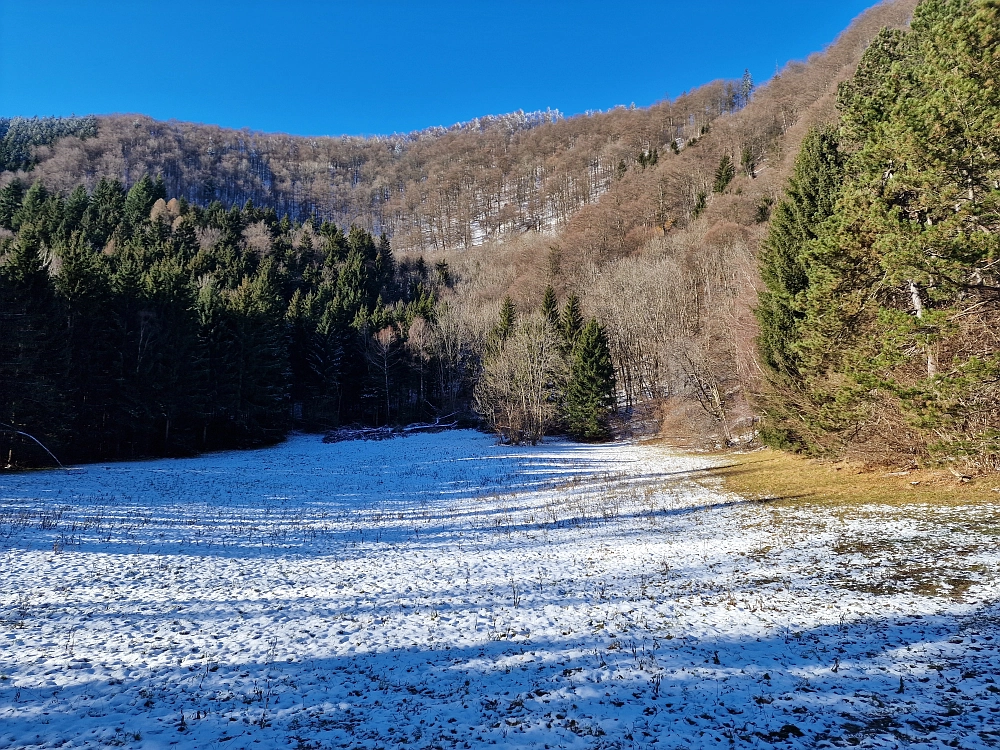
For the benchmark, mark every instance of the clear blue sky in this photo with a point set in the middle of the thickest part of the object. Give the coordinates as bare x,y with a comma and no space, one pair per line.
330,68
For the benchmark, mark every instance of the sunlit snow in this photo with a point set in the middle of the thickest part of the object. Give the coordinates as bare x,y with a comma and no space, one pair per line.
442,591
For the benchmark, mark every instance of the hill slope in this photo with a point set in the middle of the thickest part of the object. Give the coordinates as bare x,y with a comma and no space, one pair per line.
445,189
431,189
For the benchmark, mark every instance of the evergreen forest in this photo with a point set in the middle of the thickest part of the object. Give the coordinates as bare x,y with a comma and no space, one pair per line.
127,335
136,325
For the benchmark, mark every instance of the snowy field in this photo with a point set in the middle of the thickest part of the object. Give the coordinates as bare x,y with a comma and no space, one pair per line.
443,592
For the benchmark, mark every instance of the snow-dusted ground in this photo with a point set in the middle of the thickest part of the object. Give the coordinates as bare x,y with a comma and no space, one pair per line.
440,591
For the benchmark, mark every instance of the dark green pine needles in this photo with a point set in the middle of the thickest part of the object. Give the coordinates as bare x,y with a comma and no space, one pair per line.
590,396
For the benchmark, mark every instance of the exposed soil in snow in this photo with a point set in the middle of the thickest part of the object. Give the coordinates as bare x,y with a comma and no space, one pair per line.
441,591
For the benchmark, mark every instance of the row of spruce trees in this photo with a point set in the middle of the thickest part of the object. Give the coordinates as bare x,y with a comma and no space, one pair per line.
136,326
880,316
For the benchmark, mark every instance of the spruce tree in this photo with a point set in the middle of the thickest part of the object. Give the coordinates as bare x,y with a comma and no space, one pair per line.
590,395
105,212
748,162
76,207
168,370
809,200
508,317
33,206
94,337
139,201
550,307
442,273
385,264
747,87
32,356
571,323
724,174
11,197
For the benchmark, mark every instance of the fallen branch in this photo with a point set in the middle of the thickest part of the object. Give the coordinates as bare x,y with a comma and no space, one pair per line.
386,433
11,428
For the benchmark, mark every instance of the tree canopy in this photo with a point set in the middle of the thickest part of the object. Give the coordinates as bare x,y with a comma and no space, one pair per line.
886,319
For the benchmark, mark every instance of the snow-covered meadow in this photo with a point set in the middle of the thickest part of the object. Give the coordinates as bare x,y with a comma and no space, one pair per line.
441,591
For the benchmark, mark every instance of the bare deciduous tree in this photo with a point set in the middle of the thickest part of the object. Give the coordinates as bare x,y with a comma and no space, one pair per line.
517,393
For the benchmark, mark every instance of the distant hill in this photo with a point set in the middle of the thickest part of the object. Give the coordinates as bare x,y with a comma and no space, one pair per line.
459,187
433,189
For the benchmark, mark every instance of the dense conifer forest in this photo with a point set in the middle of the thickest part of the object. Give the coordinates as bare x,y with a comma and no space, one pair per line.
140,326
136,325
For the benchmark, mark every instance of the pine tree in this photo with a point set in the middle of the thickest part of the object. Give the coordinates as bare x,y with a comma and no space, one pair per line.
550,307
590,395
571,323
724,174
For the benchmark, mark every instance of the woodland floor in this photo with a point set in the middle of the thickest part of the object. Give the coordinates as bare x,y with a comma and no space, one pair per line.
441,591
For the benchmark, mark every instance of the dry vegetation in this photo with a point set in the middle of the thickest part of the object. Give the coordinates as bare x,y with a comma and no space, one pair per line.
774,475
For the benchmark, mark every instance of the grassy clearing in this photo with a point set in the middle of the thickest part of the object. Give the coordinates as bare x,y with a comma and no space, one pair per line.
774,475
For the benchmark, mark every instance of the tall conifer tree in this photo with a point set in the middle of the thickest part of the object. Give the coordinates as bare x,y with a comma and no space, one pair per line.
809,200
571,323
590,395
550,307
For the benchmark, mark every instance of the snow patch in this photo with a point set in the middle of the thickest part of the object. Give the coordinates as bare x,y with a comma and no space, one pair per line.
442,591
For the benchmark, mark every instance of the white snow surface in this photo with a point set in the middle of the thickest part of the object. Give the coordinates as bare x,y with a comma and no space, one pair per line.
441,591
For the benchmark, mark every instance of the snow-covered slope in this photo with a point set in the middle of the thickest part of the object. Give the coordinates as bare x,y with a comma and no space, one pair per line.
441,591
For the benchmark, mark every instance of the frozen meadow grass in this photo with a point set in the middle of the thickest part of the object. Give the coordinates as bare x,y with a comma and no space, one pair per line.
441,591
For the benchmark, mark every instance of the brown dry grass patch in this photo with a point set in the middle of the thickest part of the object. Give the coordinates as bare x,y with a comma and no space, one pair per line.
766,474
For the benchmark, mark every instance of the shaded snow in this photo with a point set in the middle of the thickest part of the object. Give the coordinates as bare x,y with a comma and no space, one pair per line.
440,591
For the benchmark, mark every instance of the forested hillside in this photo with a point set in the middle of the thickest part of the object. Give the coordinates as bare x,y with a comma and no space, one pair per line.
434,189
676,298
176,287
881,311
